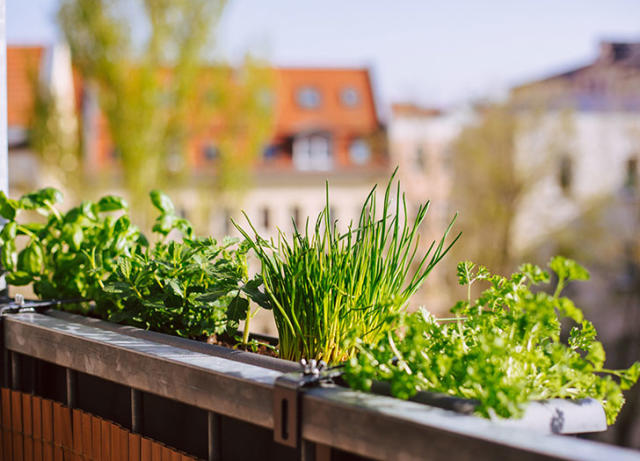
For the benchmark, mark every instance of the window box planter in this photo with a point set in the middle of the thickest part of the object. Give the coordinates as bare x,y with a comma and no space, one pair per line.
215,403
553,416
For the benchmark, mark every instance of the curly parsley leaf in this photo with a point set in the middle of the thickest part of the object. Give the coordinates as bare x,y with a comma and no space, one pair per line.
503,349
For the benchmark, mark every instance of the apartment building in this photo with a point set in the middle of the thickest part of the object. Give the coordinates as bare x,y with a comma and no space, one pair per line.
596,156
325,128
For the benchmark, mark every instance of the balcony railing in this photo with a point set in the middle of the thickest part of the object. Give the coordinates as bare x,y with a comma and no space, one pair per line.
215,403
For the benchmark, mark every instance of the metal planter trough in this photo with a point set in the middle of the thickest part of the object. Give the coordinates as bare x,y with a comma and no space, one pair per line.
119,389
553,416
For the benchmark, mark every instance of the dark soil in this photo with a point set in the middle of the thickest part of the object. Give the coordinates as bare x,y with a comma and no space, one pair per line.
254,346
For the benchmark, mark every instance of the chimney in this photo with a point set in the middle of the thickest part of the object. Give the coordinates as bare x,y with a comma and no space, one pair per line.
611,52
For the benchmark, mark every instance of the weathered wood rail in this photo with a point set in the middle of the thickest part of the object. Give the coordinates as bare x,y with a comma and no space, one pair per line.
218,404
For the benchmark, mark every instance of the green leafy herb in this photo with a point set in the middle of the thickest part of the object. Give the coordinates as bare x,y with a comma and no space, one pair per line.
324,285
69,254
503,349
189,288
194,287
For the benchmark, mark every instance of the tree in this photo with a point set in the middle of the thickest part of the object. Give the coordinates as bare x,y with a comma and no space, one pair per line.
497,161
53,134
151,88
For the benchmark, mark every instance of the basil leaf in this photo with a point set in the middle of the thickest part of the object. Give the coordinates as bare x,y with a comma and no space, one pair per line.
111,203
162,202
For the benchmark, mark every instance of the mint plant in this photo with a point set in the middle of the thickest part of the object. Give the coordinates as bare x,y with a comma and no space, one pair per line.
503,349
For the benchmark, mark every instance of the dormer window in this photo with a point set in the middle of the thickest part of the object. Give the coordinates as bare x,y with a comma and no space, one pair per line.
631,176
349,97
308,97
620,51
210,152
565,174
312,152
359,152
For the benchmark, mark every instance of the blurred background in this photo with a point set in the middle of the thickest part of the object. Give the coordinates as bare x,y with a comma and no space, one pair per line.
523,117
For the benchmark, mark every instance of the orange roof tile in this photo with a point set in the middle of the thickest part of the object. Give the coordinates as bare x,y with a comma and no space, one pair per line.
331,113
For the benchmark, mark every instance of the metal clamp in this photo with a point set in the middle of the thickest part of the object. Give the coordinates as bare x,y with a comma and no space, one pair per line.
286,398
19,304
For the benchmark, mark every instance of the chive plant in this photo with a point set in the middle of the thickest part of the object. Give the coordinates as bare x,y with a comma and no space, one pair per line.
325,286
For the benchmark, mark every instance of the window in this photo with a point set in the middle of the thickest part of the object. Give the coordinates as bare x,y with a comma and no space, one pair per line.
175,162
266,98
265,217
620,51
226,221
295,216
359,152
210,152
270,152
419,159
565,174
312,152
332,214
308,97
349,97
115,154
631,177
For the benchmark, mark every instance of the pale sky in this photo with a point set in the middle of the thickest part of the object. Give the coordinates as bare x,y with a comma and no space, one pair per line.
437,53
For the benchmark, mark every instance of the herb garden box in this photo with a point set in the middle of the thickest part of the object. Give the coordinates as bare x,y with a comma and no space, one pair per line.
339,297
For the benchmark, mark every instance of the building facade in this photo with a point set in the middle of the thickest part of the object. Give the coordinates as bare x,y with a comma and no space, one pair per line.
595,154
325,127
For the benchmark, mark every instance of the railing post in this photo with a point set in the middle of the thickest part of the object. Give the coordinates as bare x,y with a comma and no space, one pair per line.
213,431
71,387
136,411
14,360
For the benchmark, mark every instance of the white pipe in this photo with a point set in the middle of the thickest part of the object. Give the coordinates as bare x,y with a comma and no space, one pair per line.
4,145
4,163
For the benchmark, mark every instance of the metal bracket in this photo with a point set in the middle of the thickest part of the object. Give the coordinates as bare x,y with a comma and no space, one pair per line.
19,304
287,411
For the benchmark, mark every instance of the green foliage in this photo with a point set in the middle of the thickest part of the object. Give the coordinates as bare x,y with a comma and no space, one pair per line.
503,350
194,288
189,288
492,180
53,134
159,88
69,254
324,286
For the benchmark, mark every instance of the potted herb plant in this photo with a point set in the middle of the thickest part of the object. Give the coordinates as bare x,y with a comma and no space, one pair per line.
93,255
325,286
500,352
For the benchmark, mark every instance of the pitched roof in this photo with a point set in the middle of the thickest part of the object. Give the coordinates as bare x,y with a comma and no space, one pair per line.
343,100
611,81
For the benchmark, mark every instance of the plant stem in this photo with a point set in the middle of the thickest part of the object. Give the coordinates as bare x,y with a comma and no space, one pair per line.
245,331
